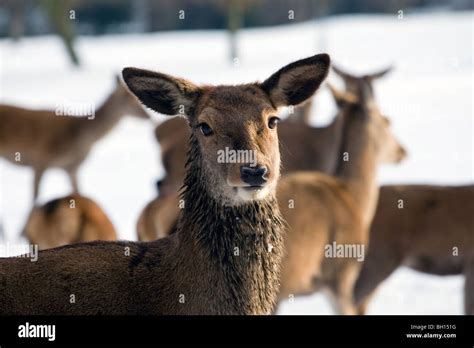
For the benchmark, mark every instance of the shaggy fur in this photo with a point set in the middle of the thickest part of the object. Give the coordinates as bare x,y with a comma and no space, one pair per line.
198,265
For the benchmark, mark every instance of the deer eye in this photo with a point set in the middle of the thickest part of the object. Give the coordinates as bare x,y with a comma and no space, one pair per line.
206,129
272,122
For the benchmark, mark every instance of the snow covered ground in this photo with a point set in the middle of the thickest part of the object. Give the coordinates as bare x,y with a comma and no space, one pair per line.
428,97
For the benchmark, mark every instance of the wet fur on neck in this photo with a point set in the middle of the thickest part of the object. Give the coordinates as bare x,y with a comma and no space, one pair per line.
253,230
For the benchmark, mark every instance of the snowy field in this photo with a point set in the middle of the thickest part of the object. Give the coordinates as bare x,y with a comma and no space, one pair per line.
428,98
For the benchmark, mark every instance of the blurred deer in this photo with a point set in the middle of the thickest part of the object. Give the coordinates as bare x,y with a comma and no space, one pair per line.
41,139
325,211
68,220
354,83
159,217
427,228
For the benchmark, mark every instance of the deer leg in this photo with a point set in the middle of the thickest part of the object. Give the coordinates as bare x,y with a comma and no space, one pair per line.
72,173
342,289
378,265
469,288
362,306
38,174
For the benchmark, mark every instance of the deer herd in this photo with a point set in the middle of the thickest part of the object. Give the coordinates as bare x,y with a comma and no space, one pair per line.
233,237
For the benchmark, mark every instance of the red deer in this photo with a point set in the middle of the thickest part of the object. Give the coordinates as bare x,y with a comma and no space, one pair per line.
226,254
424,227
326,213
41,139
68,220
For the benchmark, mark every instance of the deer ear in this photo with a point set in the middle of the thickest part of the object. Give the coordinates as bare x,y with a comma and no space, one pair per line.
342,98
343,74
163,93
379,74
296,82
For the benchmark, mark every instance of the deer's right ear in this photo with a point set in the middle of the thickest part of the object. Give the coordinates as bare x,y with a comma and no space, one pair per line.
296,82
380,73
163,93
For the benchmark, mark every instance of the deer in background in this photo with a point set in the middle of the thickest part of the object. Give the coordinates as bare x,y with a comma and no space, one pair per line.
68,220
326,211
354,83
427,228
41,139
159,218
226,254
302,147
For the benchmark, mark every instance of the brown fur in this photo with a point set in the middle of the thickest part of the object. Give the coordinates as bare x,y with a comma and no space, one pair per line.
354,83
45,140
195,270
68,220
422,235
159,215
335,209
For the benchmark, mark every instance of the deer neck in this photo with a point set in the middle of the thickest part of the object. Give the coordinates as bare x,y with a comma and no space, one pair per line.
357,167
106,117
242,243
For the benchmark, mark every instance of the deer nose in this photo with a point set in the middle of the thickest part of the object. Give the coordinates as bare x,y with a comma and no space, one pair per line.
254,176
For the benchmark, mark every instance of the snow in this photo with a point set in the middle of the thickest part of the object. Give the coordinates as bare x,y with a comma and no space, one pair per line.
428,98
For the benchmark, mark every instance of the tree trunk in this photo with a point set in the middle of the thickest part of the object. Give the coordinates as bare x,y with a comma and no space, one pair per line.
59,14
234,22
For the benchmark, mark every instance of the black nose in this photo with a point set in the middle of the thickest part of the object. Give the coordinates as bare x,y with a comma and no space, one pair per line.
254,176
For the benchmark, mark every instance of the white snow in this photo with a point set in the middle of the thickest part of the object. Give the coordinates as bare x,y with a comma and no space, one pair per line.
428,97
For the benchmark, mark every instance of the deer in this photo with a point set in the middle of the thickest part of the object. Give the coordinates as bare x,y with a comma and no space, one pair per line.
67,220
302,147
159,217
354,83
327,212
43,139
225,255
424,227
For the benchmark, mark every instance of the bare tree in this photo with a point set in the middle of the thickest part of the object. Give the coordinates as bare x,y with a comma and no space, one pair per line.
59,13
16,27
234,23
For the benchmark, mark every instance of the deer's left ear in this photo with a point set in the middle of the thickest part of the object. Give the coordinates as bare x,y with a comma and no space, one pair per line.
163,93
296,82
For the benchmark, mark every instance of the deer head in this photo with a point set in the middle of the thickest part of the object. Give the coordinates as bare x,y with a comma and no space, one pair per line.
361,106
233,128
355,83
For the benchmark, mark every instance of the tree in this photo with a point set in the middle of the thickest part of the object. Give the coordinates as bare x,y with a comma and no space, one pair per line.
60,16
